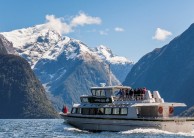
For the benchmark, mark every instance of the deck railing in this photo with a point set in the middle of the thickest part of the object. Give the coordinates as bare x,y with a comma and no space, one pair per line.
138,97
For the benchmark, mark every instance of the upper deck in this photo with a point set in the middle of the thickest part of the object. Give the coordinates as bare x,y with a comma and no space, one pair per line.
108,91
110,94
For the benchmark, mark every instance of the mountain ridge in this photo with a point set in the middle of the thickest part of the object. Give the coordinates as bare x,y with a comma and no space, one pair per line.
168,69
22,38
21,93
56,59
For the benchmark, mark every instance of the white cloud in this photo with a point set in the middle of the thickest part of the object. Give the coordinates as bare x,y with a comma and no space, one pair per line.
161,34
119,29
59,25
82,19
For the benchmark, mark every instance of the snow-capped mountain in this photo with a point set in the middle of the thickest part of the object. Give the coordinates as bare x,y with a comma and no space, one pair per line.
66,66
38,42
118,64
35,43
106,54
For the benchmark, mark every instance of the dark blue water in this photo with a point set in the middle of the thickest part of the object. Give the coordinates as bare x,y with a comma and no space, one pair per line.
56,128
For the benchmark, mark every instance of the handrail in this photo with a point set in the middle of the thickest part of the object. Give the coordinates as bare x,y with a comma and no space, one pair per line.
129,98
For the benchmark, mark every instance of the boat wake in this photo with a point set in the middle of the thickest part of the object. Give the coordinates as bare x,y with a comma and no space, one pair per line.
141,132
155,132
72,129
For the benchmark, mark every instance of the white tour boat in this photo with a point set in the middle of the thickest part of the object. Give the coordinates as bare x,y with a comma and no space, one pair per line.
119,108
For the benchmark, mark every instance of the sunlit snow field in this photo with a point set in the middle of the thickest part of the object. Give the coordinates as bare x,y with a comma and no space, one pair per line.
49,128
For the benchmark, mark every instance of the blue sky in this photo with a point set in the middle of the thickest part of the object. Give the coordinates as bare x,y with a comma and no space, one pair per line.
128,27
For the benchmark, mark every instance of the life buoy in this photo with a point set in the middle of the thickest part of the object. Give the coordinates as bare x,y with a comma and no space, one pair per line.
171,110
160,110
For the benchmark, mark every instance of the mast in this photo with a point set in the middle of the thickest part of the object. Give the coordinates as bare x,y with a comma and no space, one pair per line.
109,75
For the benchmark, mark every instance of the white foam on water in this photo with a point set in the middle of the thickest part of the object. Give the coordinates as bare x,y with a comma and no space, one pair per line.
155,131
75,130
186,134
141,130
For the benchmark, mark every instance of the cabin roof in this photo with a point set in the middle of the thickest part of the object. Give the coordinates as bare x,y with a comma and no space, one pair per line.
159,104
111,87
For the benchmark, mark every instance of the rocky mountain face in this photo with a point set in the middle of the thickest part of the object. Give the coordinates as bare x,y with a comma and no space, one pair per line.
2,48
67,79
6,47
67,67
169,69
21,93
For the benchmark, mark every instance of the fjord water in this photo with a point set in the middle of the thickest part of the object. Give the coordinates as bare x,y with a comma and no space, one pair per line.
57,128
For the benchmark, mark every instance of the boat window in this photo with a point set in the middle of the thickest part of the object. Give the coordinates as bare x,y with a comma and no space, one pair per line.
100,111
73,111
115,111
93,92
102,93
85,111
85,100
108,111
93,111
78,111
98,92
123,111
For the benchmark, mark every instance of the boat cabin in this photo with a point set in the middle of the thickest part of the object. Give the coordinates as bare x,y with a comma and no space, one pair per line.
125,102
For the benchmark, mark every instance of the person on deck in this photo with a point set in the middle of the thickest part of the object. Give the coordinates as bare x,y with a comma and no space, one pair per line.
131,93
143,92
123,94
65,109
127,94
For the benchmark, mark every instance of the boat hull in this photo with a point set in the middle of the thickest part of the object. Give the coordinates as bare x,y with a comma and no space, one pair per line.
124,124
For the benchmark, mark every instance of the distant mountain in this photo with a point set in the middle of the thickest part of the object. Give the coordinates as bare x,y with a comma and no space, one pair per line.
69,78
38,42
21,93
120,66
169,69
67,67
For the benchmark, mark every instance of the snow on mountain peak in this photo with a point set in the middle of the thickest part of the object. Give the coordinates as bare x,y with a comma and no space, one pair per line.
38,42
106,54
29,35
